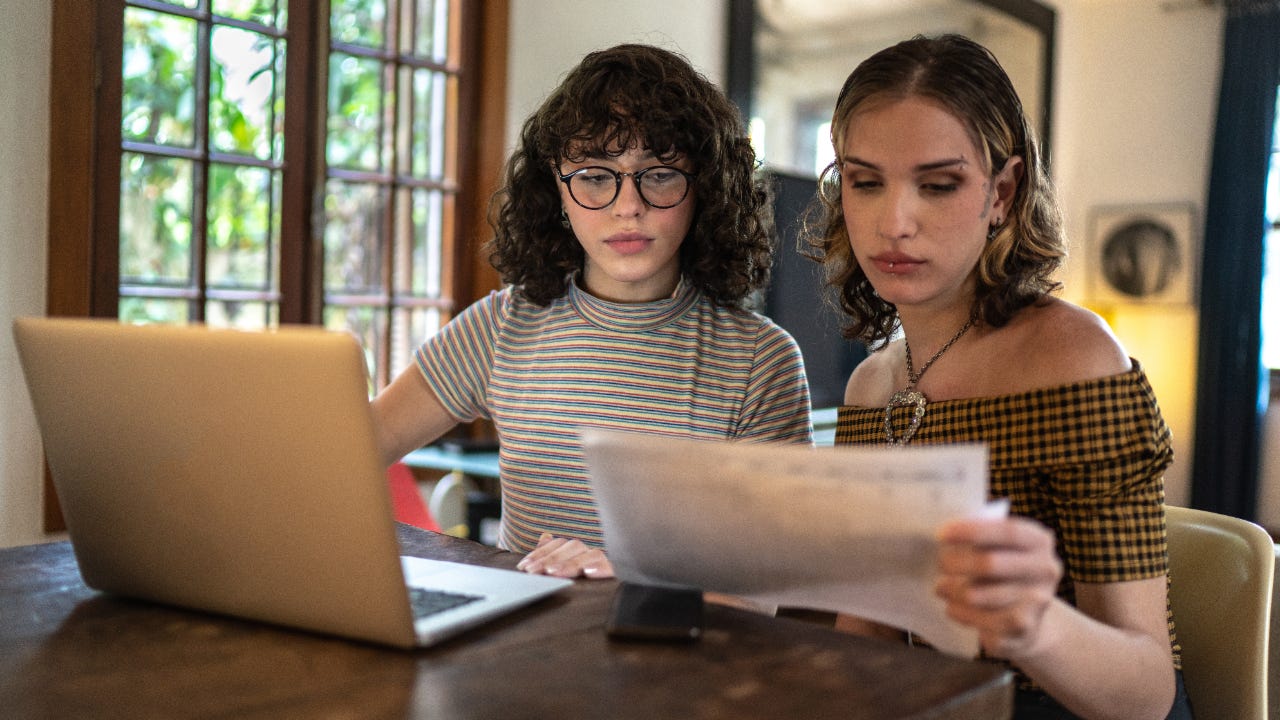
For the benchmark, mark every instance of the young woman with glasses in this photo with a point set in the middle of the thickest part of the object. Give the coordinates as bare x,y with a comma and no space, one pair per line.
631,233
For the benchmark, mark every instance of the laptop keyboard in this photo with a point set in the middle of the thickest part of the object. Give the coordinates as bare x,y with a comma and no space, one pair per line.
429,602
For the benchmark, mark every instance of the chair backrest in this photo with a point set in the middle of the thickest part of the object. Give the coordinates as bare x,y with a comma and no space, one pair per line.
406,499
448,504
1221,571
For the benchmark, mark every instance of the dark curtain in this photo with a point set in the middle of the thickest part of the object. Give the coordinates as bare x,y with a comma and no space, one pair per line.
1231,394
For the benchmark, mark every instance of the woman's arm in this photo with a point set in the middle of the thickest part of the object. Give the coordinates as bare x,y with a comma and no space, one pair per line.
1108,658
408,415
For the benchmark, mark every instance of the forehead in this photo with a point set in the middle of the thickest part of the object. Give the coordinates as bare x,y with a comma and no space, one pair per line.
912,127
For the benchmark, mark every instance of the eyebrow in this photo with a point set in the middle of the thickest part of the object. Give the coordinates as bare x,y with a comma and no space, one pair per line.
922,167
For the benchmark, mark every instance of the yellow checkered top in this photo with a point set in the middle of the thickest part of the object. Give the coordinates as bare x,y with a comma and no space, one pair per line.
1086,459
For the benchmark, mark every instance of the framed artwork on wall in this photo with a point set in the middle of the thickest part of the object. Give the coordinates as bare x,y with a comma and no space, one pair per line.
1142,254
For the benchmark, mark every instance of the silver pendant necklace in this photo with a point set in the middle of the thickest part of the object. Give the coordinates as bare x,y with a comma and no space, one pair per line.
909,397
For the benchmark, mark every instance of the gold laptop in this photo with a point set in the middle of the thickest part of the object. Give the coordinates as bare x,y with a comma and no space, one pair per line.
237,472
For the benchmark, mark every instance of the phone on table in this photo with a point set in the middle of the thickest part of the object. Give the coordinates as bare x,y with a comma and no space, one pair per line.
648,612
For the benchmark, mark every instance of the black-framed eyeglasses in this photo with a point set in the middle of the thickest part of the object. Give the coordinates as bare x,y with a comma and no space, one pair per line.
596,187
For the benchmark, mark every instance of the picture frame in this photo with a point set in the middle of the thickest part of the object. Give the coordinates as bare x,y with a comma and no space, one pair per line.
1143,254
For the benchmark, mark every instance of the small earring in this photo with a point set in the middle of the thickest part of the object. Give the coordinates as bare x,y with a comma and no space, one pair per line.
994,229
564,218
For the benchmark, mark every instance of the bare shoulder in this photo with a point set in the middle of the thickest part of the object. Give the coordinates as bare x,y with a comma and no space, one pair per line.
871,382
1059,342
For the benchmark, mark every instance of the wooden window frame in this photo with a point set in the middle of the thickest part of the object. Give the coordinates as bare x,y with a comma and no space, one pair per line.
83,236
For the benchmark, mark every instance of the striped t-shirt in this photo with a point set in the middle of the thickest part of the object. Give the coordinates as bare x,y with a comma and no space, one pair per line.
678,366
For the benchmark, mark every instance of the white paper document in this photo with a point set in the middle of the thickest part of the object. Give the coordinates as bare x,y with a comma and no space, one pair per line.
844,529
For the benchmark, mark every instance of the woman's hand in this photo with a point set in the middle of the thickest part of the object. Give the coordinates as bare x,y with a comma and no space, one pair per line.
566,558
1000,577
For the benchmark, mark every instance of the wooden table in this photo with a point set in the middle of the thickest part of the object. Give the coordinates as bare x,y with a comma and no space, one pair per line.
69,652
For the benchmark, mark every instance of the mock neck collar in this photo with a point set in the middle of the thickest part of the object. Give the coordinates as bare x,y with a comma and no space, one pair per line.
632,317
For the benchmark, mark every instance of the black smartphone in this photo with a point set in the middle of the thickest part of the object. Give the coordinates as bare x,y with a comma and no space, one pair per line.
646,612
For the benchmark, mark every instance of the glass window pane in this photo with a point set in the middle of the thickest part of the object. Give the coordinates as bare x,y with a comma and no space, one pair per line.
155,219
366,324
1271,248
260,11
242,92
154,310
409,328
242,217
358,22
393,121
158,102
1271,300
241,315
353,238
429,107
424,29
355,112
431,38
419,256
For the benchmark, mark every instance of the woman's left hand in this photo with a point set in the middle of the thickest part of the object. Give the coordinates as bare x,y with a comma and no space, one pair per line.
1000,577
566,558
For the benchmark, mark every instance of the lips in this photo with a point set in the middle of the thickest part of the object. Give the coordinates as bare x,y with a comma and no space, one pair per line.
628,243
894,263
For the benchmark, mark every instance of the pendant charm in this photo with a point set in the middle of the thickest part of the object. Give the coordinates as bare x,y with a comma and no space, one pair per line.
908,399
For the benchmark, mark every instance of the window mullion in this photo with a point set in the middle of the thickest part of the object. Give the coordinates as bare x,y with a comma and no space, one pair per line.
105,233
306,68
391,99
198,310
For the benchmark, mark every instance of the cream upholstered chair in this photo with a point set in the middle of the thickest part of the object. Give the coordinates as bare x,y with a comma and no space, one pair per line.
448,504
1273,657
1221,570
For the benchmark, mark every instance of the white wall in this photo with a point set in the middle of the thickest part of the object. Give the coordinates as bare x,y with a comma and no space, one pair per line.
1133,124
24,170
548,37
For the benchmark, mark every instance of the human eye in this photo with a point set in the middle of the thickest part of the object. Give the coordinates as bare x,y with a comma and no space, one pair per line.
943,185
941,188
660,175
863,182
595,177
860,178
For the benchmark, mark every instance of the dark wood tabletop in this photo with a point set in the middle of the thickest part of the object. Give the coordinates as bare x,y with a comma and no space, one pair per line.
67,651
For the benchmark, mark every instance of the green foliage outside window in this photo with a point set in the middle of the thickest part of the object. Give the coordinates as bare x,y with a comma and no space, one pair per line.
201,170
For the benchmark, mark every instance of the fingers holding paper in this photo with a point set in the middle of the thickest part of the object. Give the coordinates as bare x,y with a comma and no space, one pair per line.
999,577
563,557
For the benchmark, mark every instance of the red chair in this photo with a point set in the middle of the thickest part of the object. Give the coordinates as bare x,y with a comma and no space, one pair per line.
406,500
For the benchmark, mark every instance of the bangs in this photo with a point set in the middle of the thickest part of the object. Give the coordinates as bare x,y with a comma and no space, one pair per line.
610,113
614,135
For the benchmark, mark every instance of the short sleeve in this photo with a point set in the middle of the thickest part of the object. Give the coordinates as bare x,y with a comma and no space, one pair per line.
777,400
1109,496
457,361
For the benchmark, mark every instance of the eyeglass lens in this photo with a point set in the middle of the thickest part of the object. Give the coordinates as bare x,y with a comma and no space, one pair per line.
597,187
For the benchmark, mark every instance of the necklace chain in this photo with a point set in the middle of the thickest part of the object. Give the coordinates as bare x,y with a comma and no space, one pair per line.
913,377
913,399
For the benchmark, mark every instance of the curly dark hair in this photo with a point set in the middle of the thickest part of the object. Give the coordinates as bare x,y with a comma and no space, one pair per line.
635,96
1016,265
